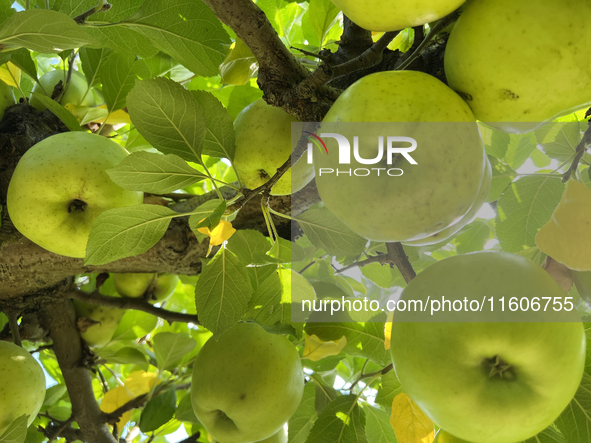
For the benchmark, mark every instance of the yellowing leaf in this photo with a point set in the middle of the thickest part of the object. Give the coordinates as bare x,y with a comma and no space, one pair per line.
10,74
222,232
388,330
239,65
410,423
316,349
138,383
567,235
88,114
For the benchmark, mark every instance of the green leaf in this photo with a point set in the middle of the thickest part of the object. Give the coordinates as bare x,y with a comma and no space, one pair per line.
135,324
327,232
524,208
129,356
496,142
304,417
158,411
473,237
184,411
239,65
363,339
22,59
154,173
321,16
125,232
170,348
118,75
342,421
285,251
502,176
575,421
54,394
212,220
549,435
92,62
219,139
61,112
16,431
187,30
383,275
378,427
520,148
169,117
390,388
559,140
249,246
324,393
43,31
222,292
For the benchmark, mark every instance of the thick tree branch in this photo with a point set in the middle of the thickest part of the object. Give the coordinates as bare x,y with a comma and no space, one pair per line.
59,317
137,304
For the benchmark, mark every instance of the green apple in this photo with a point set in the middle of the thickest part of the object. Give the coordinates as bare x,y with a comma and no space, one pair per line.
449,232
582,280
6,98
77,91
60,186
104,322
445,437
279,437
518,64
489,377
263,144
388,15
429,196
247,384
22,385
134,285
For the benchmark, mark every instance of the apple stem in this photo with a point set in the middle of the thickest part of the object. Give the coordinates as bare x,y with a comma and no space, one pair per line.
14,328
77,206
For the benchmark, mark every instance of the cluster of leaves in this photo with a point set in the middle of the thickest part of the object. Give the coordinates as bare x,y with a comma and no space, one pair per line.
174,78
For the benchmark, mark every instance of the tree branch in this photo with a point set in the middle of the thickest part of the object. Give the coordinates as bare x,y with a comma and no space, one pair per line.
137,304
400,259
59,317
579,153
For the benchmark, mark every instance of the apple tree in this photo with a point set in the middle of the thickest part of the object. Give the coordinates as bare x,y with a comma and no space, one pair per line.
217,235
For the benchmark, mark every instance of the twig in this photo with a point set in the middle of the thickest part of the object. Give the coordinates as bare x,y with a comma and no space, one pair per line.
101,7
137,304
381,258
399,258
62,428
372,374
579,153
41,348
13,321
436,29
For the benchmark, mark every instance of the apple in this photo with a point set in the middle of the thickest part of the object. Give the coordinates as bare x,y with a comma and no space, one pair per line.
488,377
104,322
466,219
279,437
60,186
263,144
445,437
518,64
22,385
582,281
247,384
77,91
388,15
6,98
134,285
429,196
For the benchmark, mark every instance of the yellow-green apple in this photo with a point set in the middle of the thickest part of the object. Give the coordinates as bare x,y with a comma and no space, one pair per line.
103,323
279,437
445,437
135,285
484,376
376,190
247,384
60,186
6,98
518,64
263,144
449,232
22,385
388,15
77,91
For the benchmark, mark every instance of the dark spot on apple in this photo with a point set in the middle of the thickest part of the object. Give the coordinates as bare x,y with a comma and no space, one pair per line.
507,94
76,206
242,397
